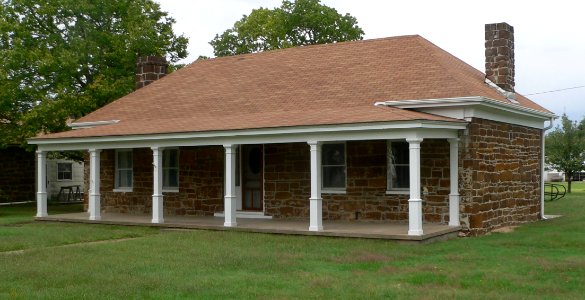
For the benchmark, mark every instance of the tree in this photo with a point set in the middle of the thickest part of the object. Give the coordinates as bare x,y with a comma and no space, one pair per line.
297,23
62,59
565,148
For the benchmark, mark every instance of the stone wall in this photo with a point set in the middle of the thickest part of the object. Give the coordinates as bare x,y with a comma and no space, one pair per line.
499,175
287,183
17,175
200,183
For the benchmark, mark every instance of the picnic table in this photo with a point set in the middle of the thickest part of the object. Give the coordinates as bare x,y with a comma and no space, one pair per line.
71,192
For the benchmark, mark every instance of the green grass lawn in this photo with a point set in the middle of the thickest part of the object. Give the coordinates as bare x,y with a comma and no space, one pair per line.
543,260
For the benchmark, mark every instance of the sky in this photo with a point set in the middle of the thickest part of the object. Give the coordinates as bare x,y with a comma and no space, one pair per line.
549,35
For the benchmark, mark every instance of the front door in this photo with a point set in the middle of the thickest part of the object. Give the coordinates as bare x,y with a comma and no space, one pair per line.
252,169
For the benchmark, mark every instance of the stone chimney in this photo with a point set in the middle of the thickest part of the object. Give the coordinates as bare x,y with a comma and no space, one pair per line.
149,69
499,55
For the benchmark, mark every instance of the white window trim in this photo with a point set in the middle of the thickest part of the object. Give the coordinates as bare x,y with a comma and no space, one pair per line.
330,190
172,189
389,189
64,180
116,187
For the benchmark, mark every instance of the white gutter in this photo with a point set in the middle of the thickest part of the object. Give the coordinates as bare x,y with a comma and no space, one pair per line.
92,124
542,170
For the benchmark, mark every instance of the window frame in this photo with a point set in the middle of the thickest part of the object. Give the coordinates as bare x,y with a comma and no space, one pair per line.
390,165
62,172
334,190
166,169
117,187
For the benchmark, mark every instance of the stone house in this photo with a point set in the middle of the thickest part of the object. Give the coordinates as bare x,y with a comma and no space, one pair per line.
17,175
385,130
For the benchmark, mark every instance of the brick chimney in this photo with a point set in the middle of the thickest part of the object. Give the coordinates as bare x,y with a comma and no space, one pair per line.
149,69
499,55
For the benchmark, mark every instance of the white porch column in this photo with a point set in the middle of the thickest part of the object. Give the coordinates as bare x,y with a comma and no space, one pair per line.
415,201
454,179
316,202
230,186
42,184
94,184
157,183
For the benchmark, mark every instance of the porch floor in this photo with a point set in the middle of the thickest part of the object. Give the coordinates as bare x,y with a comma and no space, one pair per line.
355,229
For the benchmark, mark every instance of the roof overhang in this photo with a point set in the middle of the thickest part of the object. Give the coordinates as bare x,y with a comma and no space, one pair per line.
338,132
481,107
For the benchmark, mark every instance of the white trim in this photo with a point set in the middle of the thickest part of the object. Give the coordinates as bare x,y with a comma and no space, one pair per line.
170,190
91,124
466,101
325,133
398,192
122,190
334,191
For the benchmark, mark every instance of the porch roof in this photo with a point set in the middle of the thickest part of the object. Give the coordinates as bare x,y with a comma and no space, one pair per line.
306,86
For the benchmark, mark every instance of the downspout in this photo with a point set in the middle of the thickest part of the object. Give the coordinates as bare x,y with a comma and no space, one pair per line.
542,170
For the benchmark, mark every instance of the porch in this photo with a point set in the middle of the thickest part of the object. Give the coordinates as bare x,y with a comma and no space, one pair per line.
348,229
380,174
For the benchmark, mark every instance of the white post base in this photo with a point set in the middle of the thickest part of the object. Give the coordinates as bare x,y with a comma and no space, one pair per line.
94,207
454,210
41,205
415,217
316,213
230,211
157,209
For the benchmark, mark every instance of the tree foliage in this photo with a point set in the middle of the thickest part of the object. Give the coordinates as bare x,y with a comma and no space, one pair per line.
297,23
565,148
65,58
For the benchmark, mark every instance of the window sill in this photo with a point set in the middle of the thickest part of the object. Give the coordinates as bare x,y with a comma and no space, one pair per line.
341,192
123,190
398,192
170,190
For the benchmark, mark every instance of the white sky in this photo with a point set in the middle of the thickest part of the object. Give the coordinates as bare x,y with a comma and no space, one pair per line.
549,35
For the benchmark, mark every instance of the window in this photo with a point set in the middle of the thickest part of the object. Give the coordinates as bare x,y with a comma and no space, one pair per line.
333,166
124,169
64,171
398,166
171,169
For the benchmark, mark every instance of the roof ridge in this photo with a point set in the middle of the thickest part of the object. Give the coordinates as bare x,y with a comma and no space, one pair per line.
448,69
299,48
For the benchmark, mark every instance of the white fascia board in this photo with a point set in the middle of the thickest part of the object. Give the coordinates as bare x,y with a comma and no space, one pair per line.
466,101
92,124
369,131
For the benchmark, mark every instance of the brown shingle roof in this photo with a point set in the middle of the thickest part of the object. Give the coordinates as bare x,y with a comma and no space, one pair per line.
313,85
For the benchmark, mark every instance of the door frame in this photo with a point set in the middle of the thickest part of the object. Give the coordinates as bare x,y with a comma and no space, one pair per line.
243,181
